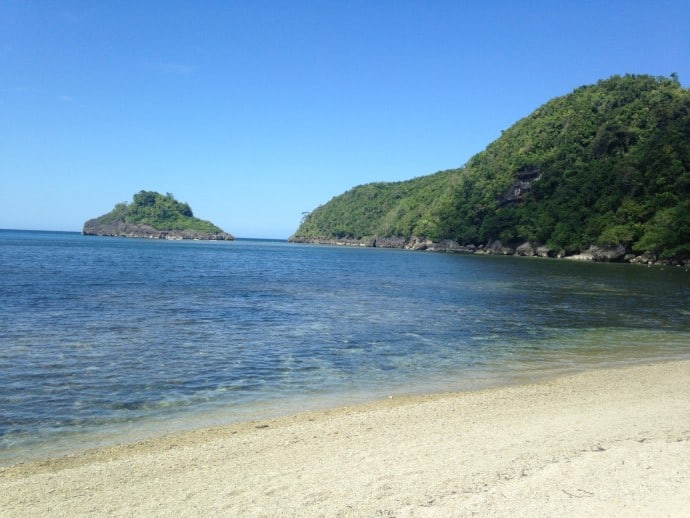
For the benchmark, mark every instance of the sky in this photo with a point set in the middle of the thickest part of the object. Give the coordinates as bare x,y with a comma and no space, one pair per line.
255,112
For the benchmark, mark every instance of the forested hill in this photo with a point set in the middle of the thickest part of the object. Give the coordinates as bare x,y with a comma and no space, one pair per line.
606,167
154,215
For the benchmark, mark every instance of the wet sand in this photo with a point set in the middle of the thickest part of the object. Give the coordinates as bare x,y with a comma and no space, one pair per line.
610,442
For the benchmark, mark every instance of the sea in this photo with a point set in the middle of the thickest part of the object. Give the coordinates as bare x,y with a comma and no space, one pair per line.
107,340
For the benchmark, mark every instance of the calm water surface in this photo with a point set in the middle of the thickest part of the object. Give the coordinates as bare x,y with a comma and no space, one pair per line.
105,338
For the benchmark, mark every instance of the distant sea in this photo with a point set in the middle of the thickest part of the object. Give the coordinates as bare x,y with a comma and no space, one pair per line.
104,340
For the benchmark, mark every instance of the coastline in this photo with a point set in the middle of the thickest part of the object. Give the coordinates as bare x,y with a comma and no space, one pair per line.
607,254
602,442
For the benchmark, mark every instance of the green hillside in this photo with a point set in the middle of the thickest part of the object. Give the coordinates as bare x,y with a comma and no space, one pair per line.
608,164
154,215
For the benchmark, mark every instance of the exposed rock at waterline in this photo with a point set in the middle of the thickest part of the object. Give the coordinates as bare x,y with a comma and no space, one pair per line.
121,229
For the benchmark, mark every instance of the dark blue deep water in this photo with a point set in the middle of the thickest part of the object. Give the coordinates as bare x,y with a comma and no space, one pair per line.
107,337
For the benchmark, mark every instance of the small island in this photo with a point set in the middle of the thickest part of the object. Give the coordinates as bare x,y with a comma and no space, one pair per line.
154,216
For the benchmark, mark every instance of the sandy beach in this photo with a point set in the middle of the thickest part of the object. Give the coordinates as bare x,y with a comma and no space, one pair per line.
601,443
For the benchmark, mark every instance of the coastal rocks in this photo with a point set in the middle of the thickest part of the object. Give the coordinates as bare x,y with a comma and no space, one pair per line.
610,254
389,242
447,245
544,251
345,241
606,254
416,243
526,249
613,253
646,258
586,255
497,248
120,229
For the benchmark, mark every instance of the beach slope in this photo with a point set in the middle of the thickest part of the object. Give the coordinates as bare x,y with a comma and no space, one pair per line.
610,442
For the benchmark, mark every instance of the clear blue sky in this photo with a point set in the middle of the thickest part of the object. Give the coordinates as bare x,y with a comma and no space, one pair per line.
255,111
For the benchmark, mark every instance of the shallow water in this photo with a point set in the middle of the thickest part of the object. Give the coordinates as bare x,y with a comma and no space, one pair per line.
102,338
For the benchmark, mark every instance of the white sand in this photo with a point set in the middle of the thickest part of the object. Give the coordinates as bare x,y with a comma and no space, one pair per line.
602,443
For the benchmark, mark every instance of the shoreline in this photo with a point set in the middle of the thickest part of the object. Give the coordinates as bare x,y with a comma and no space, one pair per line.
610,254
610,441
152,428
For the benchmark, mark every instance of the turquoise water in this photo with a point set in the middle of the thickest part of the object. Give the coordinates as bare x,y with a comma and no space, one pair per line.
102,338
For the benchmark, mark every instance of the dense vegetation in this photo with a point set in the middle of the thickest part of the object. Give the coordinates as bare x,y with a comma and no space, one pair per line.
161,212
607,164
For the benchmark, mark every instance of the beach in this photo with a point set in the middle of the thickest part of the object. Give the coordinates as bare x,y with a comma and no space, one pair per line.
610,442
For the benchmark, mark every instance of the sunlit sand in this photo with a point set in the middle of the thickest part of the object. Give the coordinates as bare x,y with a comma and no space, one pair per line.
601,443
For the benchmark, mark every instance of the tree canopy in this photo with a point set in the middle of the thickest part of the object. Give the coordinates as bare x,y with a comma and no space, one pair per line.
606,164
161,212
